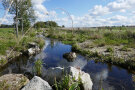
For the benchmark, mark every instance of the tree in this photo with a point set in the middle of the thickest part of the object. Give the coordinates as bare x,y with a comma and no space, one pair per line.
63,26
22,9
46,24
51,24
39,25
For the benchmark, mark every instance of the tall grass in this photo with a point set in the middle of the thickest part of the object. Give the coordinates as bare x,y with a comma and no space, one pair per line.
8,40
100,38
68,83
38,67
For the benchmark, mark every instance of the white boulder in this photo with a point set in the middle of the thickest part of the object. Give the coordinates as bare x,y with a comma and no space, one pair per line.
32,51
37,84
85,77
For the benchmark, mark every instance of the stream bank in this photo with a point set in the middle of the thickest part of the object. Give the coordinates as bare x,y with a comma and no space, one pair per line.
30,44
103,46
106,75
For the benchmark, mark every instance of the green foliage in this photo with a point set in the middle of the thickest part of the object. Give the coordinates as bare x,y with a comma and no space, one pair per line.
38,67
68,83
47,24
7,39
51,24
40,42
25,11
39,25
3,62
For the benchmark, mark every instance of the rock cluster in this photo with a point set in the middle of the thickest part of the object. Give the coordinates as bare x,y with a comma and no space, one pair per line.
57,73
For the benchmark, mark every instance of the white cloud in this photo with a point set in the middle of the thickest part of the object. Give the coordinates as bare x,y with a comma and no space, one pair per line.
40,9
99,10
113,13
63,12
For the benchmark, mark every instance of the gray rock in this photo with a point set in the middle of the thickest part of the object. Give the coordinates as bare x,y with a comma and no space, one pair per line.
70,56
58,73
14,81
37,84
32,51
85,77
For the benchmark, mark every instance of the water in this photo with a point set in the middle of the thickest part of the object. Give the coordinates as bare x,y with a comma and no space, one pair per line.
106,76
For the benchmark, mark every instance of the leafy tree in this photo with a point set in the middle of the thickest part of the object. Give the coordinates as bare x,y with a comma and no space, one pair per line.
51,24
46,24
39,25
21,9
63,26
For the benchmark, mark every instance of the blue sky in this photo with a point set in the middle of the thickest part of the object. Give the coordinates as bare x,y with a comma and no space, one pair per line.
76,7
85,13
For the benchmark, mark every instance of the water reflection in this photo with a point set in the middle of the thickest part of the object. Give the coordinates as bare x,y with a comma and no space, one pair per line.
104,76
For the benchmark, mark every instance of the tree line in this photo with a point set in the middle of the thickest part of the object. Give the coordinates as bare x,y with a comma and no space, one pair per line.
6,26
46,24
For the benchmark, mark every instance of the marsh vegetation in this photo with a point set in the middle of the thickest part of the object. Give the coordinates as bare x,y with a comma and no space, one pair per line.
111,46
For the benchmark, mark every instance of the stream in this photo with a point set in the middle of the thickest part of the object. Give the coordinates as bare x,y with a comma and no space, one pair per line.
106,76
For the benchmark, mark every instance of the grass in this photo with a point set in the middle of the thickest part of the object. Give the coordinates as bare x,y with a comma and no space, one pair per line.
68,83
99,38
38,67
3,62
8,40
